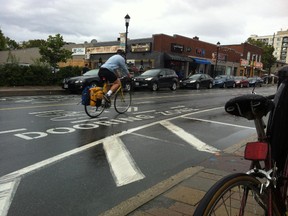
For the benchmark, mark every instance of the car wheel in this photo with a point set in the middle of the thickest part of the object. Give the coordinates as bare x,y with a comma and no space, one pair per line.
210,85
197,86
241,85
234,85
154,87
224,85
174,86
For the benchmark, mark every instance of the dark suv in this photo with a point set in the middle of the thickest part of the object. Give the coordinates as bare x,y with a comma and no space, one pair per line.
157,78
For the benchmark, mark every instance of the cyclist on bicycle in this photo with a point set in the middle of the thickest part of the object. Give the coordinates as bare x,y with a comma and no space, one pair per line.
109,71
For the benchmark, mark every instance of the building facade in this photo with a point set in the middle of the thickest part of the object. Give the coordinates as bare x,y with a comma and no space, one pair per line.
280,43
183,54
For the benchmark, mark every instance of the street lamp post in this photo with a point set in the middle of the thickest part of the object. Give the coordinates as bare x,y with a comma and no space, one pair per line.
217,53
127,20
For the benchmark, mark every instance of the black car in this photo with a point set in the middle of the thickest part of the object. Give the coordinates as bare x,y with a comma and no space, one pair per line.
255,81
90,78
197,81
157,78
224,81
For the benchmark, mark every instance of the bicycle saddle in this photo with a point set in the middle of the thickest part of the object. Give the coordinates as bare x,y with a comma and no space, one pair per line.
249,106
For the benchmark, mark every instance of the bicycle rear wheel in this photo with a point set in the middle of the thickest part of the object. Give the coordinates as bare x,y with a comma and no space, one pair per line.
236,194
93,111
122,100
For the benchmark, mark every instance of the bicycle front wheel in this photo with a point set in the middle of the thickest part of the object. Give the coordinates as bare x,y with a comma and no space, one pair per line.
236,194
122,101
93,111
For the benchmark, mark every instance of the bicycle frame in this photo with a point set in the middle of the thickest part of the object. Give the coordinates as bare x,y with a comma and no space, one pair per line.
275,189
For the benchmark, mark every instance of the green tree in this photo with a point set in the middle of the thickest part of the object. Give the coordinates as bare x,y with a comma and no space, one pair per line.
268,58
11,44
52,51
2,41
33,43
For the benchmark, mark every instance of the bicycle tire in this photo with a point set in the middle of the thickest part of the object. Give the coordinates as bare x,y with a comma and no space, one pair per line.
93,111
227,197
122,101
284,185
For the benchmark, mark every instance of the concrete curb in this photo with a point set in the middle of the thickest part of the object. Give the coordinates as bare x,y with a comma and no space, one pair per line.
31,91
140,199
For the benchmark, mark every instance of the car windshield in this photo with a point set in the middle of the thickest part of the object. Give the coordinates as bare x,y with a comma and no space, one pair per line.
252,78
152,72
195,76
220,77
238,78
93,72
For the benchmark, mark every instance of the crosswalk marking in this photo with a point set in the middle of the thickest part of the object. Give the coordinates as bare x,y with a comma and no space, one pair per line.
122,165
189,138
7,191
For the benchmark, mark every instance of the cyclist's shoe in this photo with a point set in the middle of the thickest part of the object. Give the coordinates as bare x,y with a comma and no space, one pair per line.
107,98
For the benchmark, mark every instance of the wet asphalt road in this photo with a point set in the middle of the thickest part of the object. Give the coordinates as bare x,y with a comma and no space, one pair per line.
55,160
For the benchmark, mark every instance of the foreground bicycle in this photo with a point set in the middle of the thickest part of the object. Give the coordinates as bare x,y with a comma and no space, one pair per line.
97,104
263,189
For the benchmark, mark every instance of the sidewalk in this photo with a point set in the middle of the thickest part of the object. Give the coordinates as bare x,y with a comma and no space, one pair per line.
31,90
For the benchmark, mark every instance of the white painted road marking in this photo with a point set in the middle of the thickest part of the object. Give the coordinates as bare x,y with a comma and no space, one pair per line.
12,131
122,165
189,138
9,190
222,123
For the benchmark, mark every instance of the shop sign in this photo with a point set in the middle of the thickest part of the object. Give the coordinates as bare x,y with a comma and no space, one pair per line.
78,51
103,49
221,57
258,64
141,47
244,62
122,40
200,52
177,48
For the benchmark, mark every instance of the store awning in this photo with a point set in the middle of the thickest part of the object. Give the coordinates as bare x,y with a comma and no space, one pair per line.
177,58
201,61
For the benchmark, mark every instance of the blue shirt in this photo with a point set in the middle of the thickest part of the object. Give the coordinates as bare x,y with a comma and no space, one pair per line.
114,63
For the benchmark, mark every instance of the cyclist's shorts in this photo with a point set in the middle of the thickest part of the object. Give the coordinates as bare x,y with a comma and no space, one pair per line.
106,74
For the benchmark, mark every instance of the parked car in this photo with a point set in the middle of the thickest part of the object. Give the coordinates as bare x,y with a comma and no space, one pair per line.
255,81
157,78
224,81
241,81
90,78
197,81
270,79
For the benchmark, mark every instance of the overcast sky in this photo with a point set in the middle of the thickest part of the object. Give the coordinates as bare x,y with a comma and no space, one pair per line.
226,21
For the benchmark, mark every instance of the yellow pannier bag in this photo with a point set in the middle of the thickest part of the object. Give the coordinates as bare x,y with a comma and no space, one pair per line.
96,95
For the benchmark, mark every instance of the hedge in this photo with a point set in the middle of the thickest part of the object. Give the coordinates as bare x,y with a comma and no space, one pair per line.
34,75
